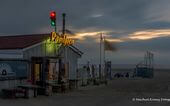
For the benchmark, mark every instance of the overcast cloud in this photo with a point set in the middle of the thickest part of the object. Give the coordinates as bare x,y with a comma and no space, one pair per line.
119,18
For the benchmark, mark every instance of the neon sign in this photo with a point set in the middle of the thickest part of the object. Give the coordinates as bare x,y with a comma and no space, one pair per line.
51,46
61,39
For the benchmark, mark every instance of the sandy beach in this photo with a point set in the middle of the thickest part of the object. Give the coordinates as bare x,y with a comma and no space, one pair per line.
119,92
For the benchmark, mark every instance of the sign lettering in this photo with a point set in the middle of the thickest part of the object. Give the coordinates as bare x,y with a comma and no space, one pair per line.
61,39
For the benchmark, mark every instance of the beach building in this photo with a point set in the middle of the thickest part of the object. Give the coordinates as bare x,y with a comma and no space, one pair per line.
36,59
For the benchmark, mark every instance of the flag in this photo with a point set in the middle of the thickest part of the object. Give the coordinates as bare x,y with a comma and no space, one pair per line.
101,37
109,46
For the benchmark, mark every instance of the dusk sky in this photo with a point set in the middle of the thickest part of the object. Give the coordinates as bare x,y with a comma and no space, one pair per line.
136,26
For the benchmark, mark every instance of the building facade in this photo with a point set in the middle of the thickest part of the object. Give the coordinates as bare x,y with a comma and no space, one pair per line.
35,58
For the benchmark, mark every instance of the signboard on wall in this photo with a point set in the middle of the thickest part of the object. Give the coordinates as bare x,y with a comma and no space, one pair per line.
10,69
5,70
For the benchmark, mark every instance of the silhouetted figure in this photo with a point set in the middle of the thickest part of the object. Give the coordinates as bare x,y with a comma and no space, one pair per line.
127,75
63,87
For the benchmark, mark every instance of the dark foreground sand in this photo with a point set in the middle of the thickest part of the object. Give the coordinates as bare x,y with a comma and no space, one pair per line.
119,92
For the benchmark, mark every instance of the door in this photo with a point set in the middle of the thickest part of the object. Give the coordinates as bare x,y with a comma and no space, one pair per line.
37,72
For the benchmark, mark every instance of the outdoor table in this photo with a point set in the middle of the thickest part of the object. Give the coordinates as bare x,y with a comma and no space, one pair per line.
8,93
55,87
53,84
28,87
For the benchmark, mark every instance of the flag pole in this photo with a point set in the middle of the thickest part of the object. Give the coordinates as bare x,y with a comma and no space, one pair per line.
104,50
100,56
104,58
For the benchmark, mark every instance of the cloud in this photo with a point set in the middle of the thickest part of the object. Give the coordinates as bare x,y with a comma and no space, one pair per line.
85,35
138,35
158,11
149,34
136,25
130,52
29,16
144,35
96,15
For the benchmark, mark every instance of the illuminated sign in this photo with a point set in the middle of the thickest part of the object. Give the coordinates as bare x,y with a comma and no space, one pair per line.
61,39
50,46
